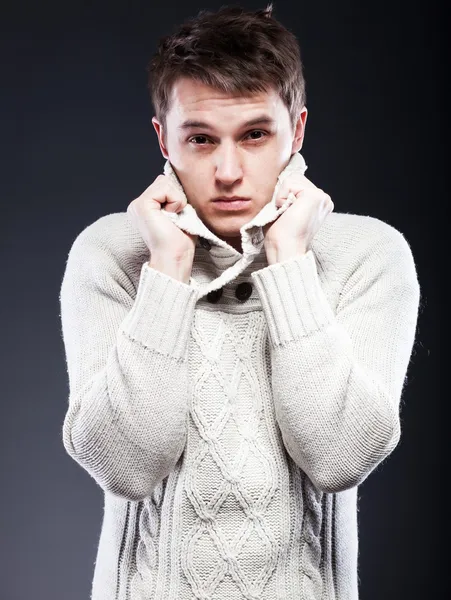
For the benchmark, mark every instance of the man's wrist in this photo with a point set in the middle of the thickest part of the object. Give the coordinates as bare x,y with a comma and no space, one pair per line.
177,268
276,253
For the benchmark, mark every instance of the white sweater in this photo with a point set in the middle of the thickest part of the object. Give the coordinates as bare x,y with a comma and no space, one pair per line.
229,432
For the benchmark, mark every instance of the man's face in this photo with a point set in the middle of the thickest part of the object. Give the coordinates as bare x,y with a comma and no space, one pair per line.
225,156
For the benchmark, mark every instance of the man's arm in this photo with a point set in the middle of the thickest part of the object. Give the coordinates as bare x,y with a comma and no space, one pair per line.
127,368
337,379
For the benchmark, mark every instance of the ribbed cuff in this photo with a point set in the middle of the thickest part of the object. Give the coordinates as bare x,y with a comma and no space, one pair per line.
162,313
292,298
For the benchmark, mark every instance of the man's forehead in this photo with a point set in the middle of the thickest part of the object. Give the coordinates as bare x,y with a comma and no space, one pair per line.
192,103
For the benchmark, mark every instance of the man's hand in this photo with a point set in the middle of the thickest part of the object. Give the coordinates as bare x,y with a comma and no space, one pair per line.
291,233
159,234
171,249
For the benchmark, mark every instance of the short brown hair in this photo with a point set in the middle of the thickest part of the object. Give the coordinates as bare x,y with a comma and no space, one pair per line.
233,50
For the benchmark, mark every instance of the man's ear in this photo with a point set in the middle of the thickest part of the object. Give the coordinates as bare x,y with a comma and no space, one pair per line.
161,135
299,131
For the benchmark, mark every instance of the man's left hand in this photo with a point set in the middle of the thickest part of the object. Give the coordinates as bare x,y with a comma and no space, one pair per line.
292,232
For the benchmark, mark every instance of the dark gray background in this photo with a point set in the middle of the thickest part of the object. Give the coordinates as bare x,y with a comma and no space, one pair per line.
78,143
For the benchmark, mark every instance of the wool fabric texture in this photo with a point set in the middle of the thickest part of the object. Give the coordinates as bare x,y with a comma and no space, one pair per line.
229,421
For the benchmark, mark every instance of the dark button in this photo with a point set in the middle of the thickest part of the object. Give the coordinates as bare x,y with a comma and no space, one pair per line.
214,296
204,243
243,291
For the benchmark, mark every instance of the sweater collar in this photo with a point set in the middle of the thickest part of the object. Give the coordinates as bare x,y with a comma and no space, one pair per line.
252,237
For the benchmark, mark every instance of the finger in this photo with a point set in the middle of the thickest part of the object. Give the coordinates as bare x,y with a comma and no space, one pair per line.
286,189
163,191
176,199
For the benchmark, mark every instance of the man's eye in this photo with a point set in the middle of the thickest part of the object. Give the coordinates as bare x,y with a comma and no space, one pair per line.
258,131
197,137
203,137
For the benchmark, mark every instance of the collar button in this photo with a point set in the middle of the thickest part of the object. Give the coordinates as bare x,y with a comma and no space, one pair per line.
243,291
214,296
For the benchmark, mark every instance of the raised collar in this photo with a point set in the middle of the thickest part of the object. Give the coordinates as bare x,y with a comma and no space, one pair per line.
252,237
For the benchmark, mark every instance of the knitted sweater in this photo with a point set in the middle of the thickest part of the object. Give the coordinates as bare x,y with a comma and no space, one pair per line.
229,420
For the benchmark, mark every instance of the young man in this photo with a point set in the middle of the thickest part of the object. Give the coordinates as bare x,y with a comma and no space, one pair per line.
235,366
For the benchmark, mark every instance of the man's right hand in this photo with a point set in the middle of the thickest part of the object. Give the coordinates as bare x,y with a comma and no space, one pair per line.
160,235
171,249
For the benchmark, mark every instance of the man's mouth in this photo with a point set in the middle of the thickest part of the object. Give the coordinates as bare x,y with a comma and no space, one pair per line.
232,203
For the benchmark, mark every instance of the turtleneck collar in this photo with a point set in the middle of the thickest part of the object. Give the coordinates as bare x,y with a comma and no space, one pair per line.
252,237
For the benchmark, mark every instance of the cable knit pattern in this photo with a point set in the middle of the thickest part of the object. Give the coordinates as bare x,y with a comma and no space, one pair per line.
144,580
229,462
229,434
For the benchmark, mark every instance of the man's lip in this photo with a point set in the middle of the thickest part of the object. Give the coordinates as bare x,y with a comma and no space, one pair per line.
232,199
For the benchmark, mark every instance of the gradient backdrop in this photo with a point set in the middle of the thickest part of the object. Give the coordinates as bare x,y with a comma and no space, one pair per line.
78,143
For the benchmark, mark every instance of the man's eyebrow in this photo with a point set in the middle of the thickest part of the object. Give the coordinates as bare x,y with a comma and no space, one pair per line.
260,120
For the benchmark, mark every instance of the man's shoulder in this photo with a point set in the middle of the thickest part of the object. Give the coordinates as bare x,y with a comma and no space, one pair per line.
110,237
347,233
108,229
347,243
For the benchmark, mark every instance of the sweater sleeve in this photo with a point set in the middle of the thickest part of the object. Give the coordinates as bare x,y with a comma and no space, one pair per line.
337,378
127,367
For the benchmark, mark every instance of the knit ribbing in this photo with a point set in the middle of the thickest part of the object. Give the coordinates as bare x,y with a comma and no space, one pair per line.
292,298
162,313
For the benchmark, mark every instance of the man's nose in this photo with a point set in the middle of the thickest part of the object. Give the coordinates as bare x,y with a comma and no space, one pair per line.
228,164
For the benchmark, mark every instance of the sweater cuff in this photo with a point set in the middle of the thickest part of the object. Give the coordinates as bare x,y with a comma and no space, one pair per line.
162,314
292,298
